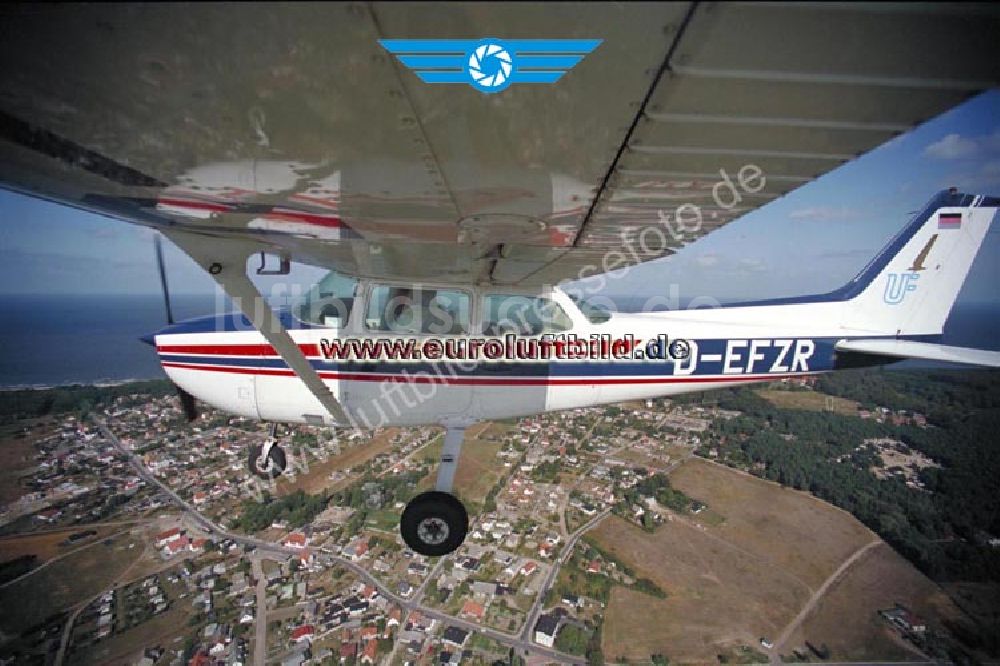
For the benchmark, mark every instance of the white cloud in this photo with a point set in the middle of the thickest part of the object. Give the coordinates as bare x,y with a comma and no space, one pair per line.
824,213
952,147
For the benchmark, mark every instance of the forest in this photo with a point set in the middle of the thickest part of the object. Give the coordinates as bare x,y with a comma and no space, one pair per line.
945,528
80,399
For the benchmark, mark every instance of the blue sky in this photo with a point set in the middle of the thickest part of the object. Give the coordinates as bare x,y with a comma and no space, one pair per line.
812,240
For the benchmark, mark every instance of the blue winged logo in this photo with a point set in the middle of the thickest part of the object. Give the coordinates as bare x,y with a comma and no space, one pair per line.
490,65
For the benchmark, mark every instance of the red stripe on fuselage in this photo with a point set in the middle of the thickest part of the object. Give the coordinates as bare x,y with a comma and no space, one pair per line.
232,350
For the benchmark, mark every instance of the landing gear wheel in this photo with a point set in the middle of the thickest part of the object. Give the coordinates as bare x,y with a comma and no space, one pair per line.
434,523
270,467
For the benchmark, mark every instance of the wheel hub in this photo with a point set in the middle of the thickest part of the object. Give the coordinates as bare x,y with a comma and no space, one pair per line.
432,531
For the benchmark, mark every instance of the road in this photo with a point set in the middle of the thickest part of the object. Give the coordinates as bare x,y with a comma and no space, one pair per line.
775,652
260,622
536,607
563,529
518,643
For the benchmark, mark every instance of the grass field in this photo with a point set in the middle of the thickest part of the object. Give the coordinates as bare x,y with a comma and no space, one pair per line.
126,647
809,400
65,583
718,596
846,618
789,529
318,477
741,575
48,545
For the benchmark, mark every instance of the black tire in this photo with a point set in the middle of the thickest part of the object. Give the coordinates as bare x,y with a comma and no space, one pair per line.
427,511
276,462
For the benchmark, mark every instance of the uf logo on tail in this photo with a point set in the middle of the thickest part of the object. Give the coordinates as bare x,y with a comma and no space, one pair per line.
898,285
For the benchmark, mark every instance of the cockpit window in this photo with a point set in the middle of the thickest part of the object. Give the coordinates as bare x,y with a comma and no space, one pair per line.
329,302
523,315
595,314
412,310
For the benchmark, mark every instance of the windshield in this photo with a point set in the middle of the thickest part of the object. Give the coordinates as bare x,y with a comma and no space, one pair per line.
329,301
595,314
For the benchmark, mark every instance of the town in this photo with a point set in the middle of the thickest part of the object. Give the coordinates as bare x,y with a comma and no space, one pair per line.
188,559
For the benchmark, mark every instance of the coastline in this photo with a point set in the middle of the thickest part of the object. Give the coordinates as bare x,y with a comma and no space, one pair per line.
96,383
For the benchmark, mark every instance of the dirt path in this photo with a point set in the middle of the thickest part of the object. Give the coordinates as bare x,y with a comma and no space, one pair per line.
817,595
68,631
52,560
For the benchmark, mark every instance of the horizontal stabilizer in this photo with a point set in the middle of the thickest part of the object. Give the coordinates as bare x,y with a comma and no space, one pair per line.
925,350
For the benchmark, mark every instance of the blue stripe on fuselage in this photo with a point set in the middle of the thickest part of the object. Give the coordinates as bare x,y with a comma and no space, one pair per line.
712,357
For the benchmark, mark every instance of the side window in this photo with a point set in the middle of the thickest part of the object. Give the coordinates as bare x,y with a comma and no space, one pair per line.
329,302
410,310
523,315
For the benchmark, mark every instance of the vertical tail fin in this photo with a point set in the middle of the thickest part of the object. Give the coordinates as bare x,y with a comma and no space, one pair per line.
910,286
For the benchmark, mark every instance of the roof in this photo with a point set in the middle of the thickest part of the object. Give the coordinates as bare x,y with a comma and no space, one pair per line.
456,635
169,533
473,608
547,624
304,630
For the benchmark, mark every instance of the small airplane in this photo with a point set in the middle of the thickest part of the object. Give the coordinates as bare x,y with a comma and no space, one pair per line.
449,215
399,353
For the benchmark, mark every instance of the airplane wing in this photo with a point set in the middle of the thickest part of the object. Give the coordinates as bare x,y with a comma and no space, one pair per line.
298,129
904,349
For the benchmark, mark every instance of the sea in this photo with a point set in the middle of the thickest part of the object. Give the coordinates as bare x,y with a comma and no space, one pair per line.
59,340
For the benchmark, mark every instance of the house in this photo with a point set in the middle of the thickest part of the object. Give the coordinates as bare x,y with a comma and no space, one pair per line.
594,566
305,632
163,538
197,545
572,600
455,636
200,497
483,589
472,610
529,568
348,651
369,653
447,658
545,630
176,546
201,659
296,540
357,548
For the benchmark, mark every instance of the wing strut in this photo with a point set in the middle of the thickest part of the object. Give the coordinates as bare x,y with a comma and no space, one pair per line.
226,263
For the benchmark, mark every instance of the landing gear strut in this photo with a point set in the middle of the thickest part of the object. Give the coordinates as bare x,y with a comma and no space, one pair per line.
435,522
267,460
